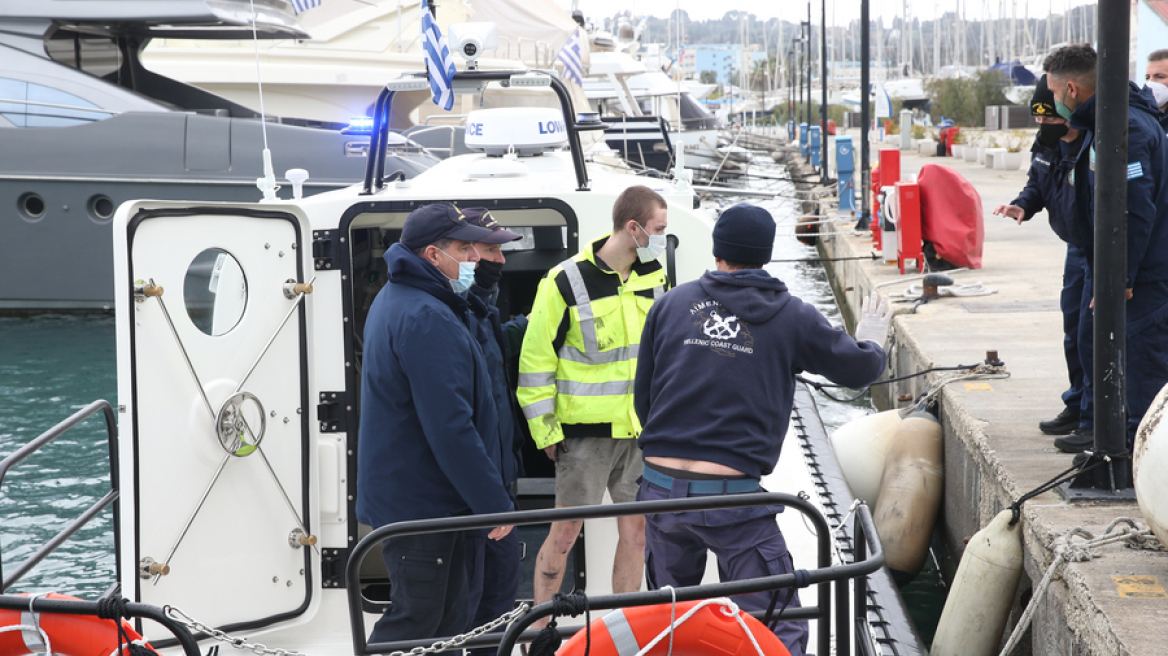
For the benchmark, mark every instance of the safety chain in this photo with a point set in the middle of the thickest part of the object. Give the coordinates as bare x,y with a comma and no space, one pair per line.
259,648
1085,548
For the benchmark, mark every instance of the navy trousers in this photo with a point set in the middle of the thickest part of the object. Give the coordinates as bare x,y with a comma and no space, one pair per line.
428,588
1071,304
746,541
1147,351
492,570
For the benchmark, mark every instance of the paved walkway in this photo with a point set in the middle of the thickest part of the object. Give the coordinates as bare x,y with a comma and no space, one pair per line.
994,451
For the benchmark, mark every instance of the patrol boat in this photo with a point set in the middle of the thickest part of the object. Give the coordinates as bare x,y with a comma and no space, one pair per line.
233,447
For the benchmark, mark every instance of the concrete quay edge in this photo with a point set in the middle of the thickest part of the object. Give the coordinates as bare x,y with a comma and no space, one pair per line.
994,451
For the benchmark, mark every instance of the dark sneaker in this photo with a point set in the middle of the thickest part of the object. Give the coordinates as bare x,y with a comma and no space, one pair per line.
1078,441
1065,422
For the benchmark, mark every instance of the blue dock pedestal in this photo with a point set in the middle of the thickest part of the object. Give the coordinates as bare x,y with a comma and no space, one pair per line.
803,140
845,164
816,142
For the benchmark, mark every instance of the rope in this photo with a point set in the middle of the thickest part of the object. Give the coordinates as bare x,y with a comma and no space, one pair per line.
1065,550
958,290
548,642
820,386
729,608
1064,476
114,608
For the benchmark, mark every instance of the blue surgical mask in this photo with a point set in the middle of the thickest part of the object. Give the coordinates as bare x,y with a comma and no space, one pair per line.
1062,109
653,250
465,275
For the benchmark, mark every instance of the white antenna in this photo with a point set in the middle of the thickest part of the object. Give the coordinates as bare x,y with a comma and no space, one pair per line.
266,184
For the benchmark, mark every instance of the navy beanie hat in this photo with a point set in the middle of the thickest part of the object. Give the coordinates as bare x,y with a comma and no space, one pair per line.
744,233
1042,102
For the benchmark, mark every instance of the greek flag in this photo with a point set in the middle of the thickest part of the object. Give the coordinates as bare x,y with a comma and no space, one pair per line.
570,57
301,6
439,62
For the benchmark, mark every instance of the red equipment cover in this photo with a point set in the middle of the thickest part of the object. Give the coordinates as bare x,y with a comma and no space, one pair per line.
951,216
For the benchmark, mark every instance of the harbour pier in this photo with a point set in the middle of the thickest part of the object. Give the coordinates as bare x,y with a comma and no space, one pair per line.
1116,601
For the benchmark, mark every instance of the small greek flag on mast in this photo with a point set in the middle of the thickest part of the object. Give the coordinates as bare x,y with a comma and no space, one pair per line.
439,61
301,6
571,59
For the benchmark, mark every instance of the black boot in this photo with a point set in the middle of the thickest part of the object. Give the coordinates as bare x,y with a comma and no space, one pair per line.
1078,441
1065,422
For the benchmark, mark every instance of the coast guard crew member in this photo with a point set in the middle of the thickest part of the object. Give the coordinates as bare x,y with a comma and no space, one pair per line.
1071,75
429,443
1056,150
576,379
714,389
492,566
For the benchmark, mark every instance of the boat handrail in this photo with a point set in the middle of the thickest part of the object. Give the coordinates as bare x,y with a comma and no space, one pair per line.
35,445
823,576
378,140
42,605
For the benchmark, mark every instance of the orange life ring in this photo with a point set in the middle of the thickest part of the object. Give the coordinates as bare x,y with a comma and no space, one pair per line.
711,630
69,635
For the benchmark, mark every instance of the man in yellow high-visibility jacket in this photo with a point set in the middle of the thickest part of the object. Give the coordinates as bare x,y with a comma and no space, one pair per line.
576,375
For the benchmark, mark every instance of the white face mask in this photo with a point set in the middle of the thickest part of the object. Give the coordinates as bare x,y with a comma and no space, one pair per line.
655,248
1160,92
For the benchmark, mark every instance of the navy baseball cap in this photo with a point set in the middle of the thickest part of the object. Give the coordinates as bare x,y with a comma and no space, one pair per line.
429,223
482,218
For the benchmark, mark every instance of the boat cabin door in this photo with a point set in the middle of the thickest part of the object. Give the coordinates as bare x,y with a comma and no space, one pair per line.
212,308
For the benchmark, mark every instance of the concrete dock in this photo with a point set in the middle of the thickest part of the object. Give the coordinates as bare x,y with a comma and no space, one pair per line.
1114,603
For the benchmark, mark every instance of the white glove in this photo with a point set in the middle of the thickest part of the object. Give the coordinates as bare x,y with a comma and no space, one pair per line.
875,314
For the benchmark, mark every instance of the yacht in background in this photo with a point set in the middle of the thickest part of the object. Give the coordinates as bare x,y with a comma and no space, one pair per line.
84,126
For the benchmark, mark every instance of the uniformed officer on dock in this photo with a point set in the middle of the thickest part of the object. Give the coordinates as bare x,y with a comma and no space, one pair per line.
1071,75
714,389
1055,151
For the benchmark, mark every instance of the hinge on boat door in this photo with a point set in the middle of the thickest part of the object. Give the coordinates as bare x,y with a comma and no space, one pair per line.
332,567
326,248
332,410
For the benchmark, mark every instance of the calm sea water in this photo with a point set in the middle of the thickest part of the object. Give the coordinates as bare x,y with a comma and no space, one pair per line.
51,366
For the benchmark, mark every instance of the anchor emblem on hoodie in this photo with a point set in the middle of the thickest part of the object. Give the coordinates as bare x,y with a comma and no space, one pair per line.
718,328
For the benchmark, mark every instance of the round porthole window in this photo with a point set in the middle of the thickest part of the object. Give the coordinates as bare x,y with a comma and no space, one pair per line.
31,207
101,208
215,291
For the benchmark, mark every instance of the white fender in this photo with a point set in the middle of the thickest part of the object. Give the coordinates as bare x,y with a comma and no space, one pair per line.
861,446
982,593
910,494
1150,466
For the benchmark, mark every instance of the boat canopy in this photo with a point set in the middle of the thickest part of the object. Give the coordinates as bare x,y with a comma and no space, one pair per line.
200,19
1015,72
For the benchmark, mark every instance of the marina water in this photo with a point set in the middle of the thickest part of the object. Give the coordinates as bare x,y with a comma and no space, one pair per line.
53,365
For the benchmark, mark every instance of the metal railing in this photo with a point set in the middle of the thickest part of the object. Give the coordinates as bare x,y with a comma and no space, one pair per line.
823,576
99,505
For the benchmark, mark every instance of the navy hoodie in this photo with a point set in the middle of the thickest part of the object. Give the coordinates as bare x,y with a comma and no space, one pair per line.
1147,187
717,363
429,440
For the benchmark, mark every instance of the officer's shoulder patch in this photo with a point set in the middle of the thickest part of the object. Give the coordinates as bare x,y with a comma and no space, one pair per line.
1135,170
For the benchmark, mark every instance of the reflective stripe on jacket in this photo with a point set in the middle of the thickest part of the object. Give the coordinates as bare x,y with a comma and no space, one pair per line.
580,351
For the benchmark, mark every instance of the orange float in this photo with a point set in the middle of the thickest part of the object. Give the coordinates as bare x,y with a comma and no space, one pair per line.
69,635
712,629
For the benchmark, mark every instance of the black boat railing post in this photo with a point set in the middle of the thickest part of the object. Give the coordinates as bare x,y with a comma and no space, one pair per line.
1110,148
825,151
865,119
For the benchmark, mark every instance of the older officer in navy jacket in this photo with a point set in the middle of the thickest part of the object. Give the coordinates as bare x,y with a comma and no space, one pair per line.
714,389
429,443
1071,76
